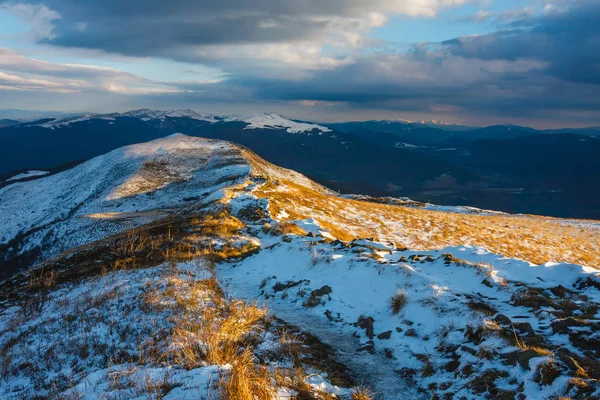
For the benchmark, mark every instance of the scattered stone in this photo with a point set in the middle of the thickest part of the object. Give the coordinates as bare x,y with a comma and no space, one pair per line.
503,320
280,287
384,335
315,296
469,350
369,347
452,366
486,382
367,324
482,307
547,372
389,353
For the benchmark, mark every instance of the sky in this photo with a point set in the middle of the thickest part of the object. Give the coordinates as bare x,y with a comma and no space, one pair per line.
474,62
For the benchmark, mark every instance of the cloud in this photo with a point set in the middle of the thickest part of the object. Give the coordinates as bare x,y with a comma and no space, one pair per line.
40,19
21,73
542,62
567,38
290,32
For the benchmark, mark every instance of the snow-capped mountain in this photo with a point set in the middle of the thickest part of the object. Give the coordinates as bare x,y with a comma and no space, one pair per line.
276,121
192,268
378,158
256,121
143,114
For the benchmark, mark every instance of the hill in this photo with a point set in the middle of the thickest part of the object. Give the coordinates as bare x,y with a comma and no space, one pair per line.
188,267
438,163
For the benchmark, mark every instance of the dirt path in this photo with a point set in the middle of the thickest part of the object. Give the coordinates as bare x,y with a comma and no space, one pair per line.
372,370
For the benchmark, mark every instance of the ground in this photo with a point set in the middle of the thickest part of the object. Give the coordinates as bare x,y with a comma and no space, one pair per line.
271,286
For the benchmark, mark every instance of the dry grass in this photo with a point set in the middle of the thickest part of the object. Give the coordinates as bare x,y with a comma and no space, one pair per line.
361,393
284,228
535,239
221,224
397,302
246,380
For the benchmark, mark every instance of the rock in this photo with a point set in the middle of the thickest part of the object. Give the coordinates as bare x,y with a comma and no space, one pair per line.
482,307
384,335
546,373
563,325
503,320
469,350
585,341
389,353
279,287
561,291
367,324
369,347
524,357
452,366
315,296
506,395
486,382
524,328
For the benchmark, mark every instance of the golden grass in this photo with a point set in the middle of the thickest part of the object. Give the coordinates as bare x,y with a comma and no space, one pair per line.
284,228
361,393
221,224
531,238
246,380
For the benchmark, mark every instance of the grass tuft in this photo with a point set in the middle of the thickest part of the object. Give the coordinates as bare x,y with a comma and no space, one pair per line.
397,302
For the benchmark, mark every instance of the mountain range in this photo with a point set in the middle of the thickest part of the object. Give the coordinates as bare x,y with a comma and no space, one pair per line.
508,168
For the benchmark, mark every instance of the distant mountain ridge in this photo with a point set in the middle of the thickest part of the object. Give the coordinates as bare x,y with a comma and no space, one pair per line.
504,167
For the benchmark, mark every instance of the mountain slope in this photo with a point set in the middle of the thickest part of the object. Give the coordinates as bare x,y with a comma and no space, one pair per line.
415,303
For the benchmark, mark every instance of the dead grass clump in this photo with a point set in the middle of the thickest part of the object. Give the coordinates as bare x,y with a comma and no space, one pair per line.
397,302
246,380
290,347
219,334
221,224
296,379
286,228
362,393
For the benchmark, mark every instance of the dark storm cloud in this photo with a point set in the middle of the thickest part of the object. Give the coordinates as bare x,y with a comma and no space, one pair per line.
159,27
535,66
568,40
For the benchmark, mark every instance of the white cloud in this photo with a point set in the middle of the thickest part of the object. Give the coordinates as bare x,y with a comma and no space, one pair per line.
21,73
39,18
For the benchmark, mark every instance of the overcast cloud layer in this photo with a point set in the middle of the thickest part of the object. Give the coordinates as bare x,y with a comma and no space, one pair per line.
541,64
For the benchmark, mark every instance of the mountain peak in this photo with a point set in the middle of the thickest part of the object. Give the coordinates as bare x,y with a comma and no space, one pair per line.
270,120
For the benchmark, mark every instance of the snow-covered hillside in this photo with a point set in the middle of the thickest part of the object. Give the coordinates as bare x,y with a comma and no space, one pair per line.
276,121
242,277
122,189
256,121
